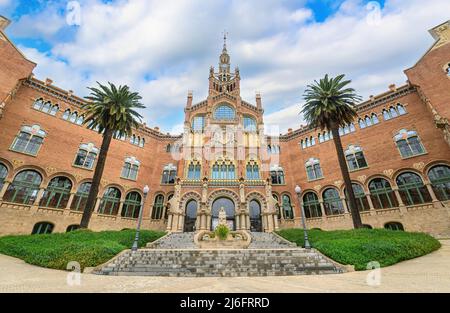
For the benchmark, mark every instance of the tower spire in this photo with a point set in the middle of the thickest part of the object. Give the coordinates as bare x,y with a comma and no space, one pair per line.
224,63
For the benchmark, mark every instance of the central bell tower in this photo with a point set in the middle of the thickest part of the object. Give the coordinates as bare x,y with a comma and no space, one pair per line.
224,81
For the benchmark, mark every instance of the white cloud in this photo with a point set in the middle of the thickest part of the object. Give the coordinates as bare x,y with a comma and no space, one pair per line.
163,49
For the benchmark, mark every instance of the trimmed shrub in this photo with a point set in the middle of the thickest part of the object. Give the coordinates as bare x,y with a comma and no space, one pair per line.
358,247
87,248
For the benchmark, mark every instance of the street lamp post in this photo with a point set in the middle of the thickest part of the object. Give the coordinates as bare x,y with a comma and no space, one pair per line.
298,191
138,228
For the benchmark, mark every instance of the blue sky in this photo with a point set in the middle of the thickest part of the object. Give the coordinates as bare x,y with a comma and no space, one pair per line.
164,48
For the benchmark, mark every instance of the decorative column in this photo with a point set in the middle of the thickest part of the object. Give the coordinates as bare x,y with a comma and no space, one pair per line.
322,208
4,188
120,207
69,203
97,204
371,207
344,203
276,223
238,220
270,222
169,223
436,202
401,205
39,196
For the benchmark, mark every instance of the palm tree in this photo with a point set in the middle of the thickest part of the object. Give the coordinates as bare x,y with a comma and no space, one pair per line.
330,105
109,111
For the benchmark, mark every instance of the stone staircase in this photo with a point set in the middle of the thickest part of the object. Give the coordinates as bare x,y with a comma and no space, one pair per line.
176,255
174,241
269,241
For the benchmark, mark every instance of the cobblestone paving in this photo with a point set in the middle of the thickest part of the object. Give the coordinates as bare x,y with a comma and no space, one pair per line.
430,273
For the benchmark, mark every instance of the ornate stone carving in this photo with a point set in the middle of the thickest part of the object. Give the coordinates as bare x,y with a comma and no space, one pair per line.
362,178
2,106
17,162
388,172
78,177
104,182
267,203
317,187
441,34
419,166
51,170
338,183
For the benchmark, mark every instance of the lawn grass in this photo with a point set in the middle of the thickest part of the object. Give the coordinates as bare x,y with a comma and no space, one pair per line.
361,246
83,246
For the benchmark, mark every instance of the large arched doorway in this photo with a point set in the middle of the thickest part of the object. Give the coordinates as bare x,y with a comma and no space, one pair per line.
228,205
191,216
255,216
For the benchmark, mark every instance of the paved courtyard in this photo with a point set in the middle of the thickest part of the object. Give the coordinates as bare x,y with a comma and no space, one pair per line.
430,273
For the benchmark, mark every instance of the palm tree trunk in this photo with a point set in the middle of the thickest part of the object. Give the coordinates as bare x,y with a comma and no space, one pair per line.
93,192
356,217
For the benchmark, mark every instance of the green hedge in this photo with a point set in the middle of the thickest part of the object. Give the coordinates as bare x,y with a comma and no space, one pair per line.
83,246
361,246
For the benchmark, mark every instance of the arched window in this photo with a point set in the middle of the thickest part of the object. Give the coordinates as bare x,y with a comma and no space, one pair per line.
313,169
311,205
368,121
86,155
169,174
288,212
375,119
361,200
394,226
142,142
321,138
223,169
412,190
3,174
158,207
382,195
66,114
252,170
198,123
362,123
54,110
80,198
249,124
72,228
440,181
29,140
224,112
73,117
80,120
132,205
42,228
47,107
393,112
57,193
408,143
332,202
355,158
194,170
38,104
130,168
110,202
24,187
401,109
386,115
277,175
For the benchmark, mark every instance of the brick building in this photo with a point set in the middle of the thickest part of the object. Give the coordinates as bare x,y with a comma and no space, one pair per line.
397,151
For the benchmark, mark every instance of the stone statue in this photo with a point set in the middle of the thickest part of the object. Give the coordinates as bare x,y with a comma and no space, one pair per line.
222,216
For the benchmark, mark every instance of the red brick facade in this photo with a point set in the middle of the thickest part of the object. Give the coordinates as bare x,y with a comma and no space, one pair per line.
241,152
